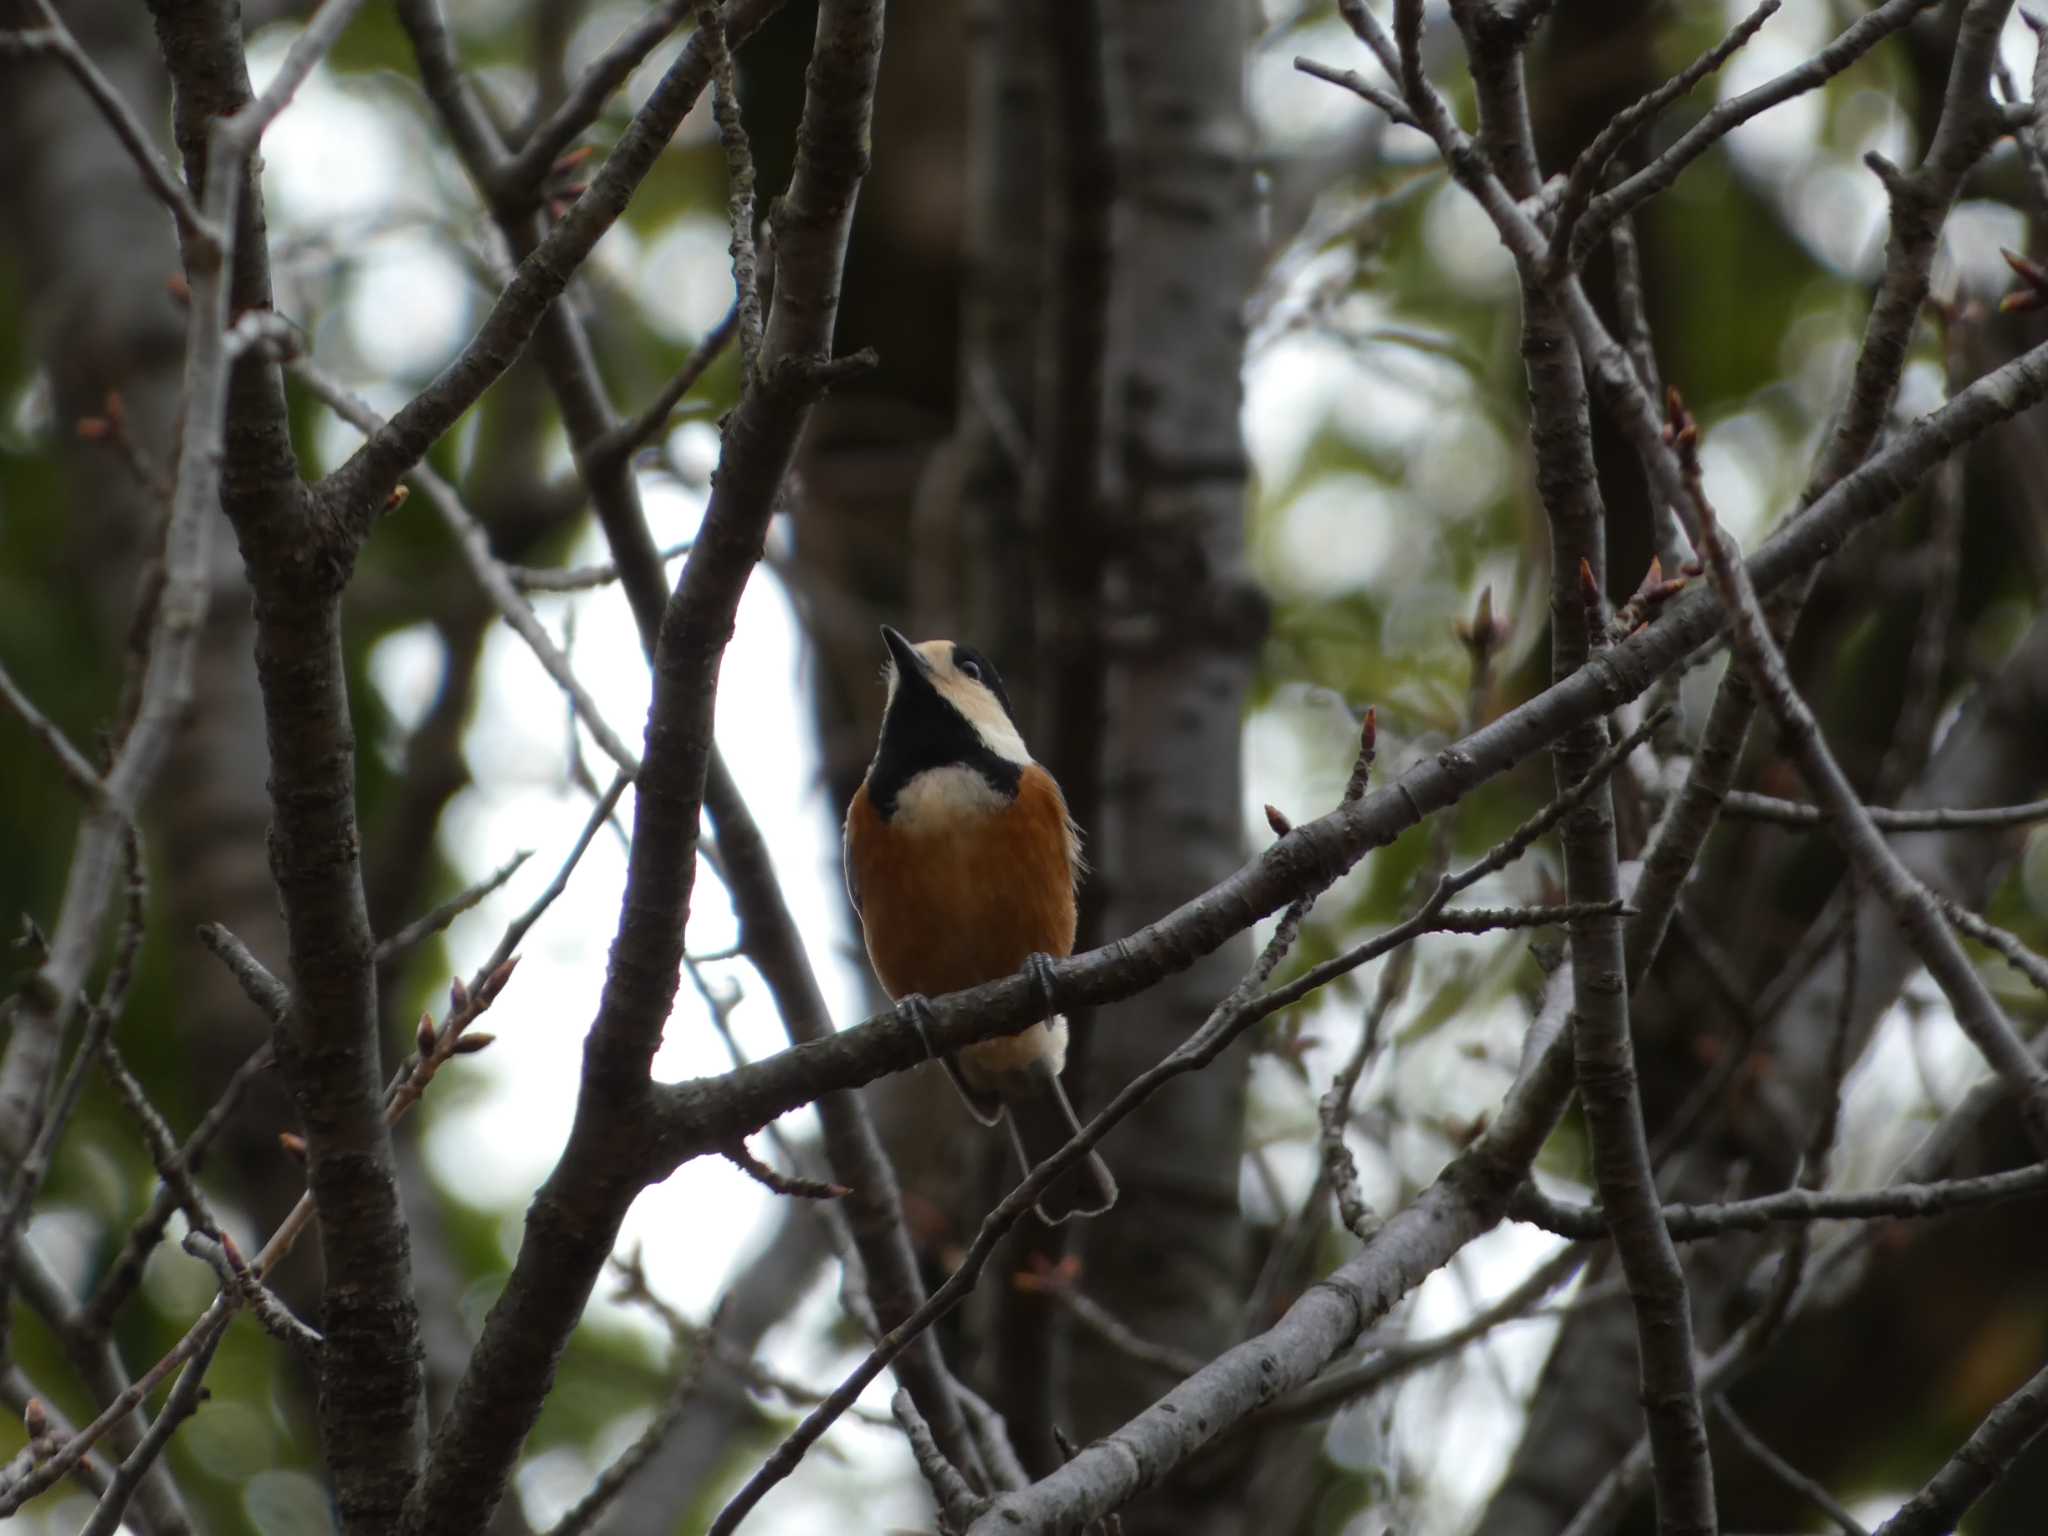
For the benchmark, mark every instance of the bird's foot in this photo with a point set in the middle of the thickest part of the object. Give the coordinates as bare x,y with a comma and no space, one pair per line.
915,1009
1038,967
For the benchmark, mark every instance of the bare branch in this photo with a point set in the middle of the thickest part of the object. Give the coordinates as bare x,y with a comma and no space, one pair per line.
958,1503
777,1182
697,1117
583,1516
635,432
125,1274
739,174
219,1255
2023,959
81,774
521,175
1979,1462
577,1211
1231,1017
1914,907
1591,167
1688,1223
182,1403
52,36
271,996
1785,1472
1332,1389
1465,1200
354,493
426,926
1794,813
490,574
1855,40
529,578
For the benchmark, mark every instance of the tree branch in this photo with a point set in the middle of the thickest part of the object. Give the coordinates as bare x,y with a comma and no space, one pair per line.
576,1213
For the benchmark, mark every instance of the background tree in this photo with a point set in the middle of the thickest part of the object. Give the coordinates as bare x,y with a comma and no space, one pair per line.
1281,396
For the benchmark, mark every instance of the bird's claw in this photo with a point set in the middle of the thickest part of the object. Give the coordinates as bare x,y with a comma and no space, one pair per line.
916,1011
1039,968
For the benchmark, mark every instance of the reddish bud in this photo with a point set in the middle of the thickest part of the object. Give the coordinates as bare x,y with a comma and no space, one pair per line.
400,495
179,290
94,429
426,1034
2028,272
1369,734
234,1255
1041,1276
1280,824
469,1045
293,1143
35,1418
495,982
1483,633
458,995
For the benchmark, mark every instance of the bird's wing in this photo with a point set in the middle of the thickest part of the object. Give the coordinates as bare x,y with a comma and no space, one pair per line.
846,865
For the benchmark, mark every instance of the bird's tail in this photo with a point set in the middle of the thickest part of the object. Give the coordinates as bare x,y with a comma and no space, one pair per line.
1041,1122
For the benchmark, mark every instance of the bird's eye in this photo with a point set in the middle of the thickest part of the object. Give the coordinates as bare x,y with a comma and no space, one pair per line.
971,668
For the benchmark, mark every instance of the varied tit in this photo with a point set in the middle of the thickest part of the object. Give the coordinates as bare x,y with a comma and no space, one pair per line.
961,861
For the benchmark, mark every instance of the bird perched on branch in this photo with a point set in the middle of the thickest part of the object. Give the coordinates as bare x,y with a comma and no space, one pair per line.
962,862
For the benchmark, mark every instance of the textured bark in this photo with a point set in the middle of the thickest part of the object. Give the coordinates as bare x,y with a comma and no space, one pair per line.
1176,679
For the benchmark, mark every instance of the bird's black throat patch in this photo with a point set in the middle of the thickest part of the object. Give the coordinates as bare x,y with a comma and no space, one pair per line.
922,731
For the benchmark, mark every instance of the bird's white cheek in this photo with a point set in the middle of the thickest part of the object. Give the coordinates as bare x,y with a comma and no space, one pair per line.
940,798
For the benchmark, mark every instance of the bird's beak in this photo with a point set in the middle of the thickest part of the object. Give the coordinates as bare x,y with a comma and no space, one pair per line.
908,662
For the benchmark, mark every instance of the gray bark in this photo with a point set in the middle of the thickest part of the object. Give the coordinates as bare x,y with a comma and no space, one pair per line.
1185,624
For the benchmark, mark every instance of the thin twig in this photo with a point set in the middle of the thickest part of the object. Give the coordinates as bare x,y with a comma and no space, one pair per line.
522,173
164,183
475,545
777,1182
125,1274
271,996
1231,1018
182,1403
1795,813
1119,1336
1591,167
1337,1387
425,927
534,578
1911,903
1784,1471
2022,959
739,173
583,1515
627,437
219,1255
1895,1202
1855,40
958,1503
80,774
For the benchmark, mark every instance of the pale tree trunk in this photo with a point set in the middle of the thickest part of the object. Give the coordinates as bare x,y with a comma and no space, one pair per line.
1182,623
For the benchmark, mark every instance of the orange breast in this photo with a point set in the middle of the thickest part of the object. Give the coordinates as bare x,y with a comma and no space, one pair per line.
955,906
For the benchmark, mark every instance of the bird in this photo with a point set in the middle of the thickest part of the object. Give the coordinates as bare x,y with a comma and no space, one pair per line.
962,862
